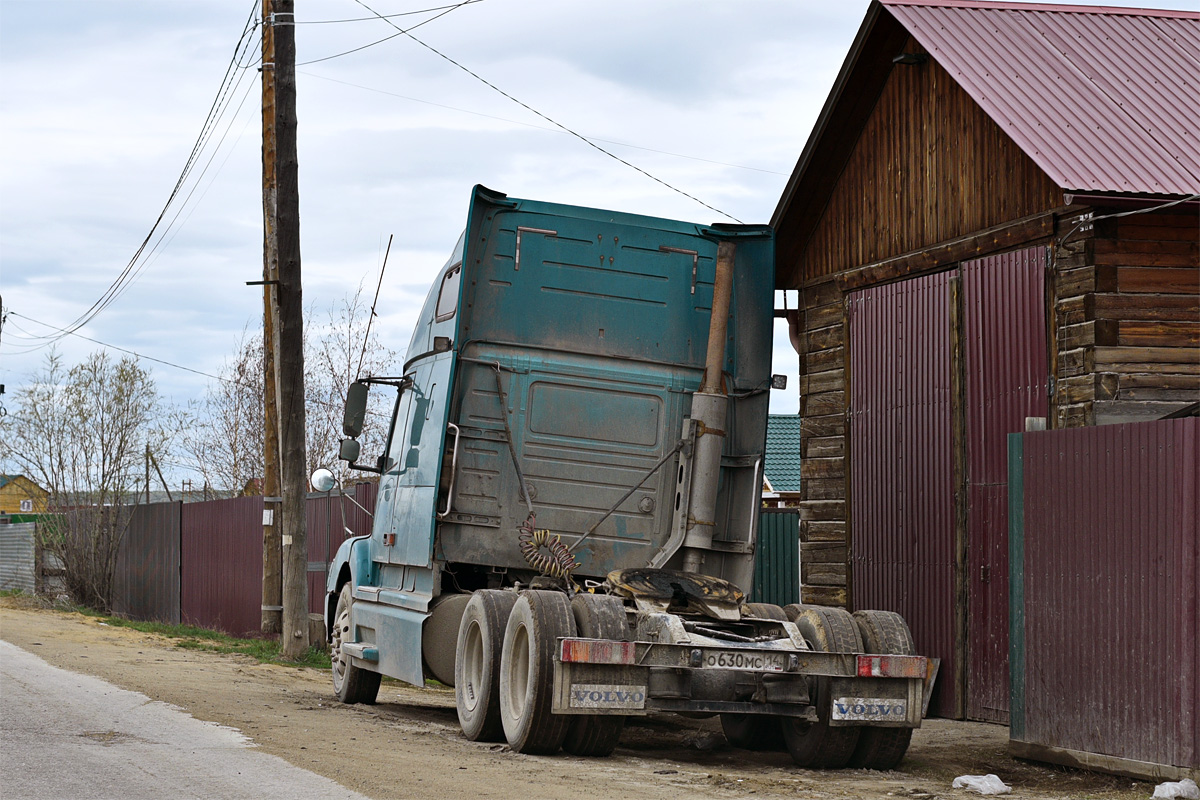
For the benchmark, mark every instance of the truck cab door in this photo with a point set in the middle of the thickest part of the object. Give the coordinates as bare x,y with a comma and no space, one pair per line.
416,461
419,439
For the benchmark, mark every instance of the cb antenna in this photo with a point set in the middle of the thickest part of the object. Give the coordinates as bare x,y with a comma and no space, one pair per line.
370,319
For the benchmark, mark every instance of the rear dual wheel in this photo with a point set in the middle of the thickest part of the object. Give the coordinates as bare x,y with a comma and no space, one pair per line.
760,732
537,621
819,745
597,616
477,664
883,632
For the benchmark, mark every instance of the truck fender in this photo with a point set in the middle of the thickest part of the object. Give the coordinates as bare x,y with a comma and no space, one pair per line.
351,563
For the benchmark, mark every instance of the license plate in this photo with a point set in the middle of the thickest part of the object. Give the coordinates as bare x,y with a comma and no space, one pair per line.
756,660
584,695
869,709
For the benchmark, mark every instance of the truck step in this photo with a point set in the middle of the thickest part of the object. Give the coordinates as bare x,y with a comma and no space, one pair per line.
361,650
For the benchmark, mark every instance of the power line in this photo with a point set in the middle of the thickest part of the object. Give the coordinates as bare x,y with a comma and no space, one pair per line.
402,32
66,332
386,16
533,110
216,112
537,127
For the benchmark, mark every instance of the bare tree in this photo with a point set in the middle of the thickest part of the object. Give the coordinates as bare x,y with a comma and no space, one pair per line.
338,355
224,435
81,433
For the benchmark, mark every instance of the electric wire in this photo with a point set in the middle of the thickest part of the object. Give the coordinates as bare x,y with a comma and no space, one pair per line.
533,110
388,16
539,127
402,32
65,332
231,80
242,384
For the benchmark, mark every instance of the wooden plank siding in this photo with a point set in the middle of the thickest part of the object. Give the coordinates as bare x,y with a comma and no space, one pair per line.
929,182
929,166
1127,310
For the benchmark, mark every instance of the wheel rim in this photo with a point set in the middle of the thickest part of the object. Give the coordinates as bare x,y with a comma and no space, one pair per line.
472,666
341,627
519,684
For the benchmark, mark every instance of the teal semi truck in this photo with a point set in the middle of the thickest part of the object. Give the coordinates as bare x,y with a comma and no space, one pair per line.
568,503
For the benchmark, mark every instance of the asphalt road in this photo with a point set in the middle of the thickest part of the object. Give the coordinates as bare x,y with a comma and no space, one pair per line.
66,735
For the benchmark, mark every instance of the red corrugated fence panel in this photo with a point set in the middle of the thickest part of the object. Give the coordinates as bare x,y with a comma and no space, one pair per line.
221,558
1110,576
327,518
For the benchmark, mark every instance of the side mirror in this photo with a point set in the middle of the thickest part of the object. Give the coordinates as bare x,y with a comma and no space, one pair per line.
356,410
348,451
322,480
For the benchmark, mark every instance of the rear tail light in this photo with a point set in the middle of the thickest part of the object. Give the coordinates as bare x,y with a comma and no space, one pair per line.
892,666
597,651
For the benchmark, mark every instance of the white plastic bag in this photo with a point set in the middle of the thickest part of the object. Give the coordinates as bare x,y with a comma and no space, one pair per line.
1185,789
984,784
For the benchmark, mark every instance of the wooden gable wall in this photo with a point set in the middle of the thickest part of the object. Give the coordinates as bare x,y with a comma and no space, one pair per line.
929,166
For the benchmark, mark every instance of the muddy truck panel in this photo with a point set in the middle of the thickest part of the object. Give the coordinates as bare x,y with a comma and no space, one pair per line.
569,500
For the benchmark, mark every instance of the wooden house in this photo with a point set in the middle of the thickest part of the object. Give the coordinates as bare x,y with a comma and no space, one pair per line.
994,225
20,495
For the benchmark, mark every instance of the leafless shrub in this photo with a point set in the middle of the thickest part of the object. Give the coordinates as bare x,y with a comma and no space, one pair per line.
82,433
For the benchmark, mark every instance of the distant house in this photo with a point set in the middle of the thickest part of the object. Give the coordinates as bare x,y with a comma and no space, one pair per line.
20,495
995,218
781,463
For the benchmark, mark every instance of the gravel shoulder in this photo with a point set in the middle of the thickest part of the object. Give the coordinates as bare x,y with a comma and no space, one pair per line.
409,744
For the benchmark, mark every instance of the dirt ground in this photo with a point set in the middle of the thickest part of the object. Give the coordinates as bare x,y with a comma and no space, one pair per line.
409,744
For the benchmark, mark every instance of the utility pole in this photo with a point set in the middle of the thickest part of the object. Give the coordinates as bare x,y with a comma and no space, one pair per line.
272,579
289,333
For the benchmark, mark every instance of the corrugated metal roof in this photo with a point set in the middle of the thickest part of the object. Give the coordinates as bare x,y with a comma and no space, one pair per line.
1102,99
781,463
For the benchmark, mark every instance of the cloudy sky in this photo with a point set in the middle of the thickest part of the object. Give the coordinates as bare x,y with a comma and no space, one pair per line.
102,101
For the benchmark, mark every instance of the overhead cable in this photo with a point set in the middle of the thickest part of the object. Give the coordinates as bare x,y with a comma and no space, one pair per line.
533,110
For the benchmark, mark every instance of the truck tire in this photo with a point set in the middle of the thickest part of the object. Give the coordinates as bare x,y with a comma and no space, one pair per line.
764,611
883,632
759,732
351,684
597,616
477,664
538,619
818,745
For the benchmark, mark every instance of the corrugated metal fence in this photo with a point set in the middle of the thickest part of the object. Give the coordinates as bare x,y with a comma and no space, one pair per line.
17,557
201,563
146,578
777,557
1105,553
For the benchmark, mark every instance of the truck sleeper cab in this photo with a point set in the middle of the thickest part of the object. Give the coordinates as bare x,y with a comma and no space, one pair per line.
569,496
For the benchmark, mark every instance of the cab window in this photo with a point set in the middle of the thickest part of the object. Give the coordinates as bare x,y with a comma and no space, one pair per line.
448,298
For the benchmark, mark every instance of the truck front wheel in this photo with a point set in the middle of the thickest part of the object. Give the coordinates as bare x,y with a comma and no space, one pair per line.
537,621
477,664
351,684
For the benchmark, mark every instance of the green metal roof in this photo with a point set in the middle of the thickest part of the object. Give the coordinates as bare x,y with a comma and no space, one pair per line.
782,459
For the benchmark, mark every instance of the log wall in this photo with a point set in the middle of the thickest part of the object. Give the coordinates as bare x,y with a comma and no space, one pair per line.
1127,317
